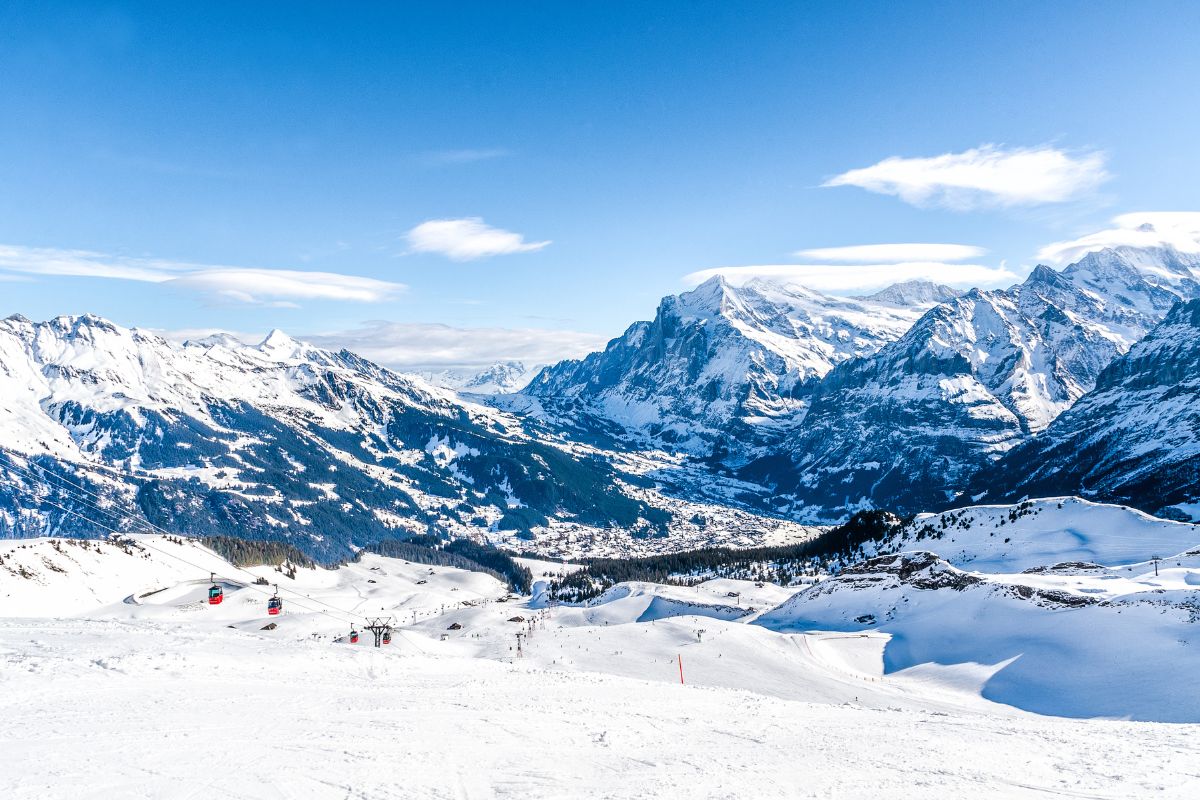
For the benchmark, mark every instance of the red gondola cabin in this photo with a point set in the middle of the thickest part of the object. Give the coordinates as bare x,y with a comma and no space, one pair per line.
215,595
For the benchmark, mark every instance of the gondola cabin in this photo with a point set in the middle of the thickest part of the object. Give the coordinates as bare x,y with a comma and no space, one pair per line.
353,636
215,595
274,606
387,637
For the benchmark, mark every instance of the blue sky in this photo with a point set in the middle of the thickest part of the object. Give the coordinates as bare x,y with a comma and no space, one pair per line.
394,174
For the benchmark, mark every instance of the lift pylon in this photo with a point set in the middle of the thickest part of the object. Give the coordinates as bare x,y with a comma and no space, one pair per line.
382,628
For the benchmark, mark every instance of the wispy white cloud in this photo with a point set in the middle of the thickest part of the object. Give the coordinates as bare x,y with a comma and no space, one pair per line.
852,278
892,253
437,158
246,285
83,263
1177,229
986,176
255,285
467,239
414,346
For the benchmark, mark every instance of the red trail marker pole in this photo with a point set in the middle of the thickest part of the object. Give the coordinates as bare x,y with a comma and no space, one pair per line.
680,657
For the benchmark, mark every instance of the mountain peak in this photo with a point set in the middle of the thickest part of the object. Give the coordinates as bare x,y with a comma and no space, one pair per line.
218,339
278,340
72,324
913,293
1158,266
1187,313
708,296
1044,274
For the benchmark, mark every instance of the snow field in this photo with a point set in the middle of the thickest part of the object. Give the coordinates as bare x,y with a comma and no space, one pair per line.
119,680
109,708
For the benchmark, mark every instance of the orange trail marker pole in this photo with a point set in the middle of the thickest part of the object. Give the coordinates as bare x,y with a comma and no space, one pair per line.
680,657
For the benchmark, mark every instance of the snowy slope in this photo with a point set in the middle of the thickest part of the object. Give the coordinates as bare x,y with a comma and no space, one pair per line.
1135,438
158,577
103,714
97,641
724,365
1044,532
1036,647
907,427
1055,605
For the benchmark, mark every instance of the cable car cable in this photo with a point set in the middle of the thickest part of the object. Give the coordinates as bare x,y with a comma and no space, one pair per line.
253,587
165,532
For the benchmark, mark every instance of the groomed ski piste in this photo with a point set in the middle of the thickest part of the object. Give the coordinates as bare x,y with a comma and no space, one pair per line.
952,662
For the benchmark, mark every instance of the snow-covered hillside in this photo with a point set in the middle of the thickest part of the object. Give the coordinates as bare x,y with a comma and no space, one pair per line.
110,650
156,577
1043,532
1054,643
104,428
721,366
907,427
1057,606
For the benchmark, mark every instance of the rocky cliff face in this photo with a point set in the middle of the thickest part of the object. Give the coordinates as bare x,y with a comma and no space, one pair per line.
1134,439
722,369
908,427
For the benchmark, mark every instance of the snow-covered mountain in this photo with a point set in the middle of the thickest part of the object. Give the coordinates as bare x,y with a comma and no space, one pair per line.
907,427
1134,439
503,377
912,294
104,427
722,368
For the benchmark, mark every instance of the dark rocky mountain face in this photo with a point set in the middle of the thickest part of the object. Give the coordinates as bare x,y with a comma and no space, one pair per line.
1134,439
908,427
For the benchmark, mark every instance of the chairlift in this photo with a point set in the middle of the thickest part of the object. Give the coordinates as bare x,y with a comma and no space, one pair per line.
275,604
215,593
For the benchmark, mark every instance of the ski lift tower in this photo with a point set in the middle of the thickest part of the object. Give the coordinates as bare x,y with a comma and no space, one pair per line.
382,628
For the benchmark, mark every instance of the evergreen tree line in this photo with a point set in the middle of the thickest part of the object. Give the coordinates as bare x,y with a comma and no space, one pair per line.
780,564
253,553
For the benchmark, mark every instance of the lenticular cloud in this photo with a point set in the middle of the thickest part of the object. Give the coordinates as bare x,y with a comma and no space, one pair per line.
987,176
